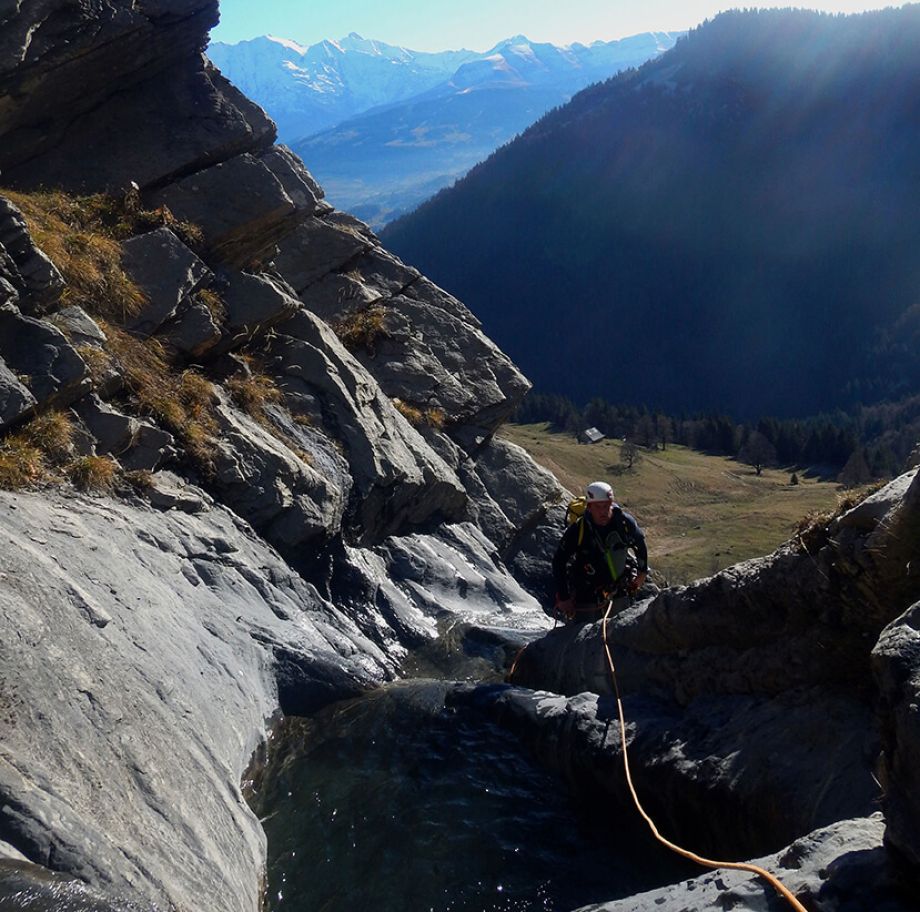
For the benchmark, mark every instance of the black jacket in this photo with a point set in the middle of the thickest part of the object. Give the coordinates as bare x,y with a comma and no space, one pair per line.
584,567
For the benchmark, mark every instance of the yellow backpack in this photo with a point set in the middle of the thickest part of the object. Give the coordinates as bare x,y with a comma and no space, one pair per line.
574,512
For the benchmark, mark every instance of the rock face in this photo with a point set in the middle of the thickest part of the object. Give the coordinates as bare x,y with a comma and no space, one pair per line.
299,484
753,684
71,73
281,531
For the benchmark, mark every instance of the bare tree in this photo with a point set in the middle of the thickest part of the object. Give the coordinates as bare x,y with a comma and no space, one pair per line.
758,452
630,454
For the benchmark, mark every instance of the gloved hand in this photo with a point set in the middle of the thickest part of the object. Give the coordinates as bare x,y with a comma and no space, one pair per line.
638,581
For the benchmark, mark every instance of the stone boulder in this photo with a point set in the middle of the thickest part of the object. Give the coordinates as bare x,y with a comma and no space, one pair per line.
262,480
194,332
429,349
35,278
72,72
255,303
243,206
399,480
316,248
735,754
15,400
167,274
43,360
79,327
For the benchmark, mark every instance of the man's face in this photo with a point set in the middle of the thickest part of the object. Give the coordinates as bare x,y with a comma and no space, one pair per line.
601,511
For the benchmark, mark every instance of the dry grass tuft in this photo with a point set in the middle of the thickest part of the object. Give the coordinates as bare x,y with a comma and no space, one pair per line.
92,473
140,479
430,416
52,435
26,454
413,415
183,403
21,464
215,304
435,417
811,531
98,360
362,329
82,235
252,393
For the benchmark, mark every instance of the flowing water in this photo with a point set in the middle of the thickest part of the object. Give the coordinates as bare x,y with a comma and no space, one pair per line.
397,801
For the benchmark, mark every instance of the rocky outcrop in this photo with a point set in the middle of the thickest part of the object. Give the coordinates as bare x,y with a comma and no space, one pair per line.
843,868
896,663
43,360
420,344
72,74
302,491
139,664
26,268
750,685
151,633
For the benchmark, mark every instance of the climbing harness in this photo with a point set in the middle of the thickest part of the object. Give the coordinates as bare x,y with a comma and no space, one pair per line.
692,856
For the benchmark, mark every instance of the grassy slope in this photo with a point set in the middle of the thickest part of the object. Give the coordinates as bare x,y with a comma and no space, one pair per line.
700,513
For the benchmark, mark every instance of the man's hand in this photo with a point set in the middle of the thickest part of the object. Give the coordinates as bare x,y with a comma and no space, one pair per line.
566,607
638,581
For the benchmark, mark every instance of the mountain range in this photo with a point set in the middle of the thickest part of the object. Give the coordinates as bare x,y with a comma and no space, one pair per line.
732,226
384,127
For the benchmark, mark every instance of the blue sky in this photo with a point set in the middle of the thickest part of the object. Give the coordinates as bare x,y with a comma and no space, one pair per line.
437,25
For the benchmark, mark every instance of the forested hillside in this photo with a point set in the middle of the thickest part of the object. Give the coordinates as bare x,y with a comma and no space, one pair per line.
732,226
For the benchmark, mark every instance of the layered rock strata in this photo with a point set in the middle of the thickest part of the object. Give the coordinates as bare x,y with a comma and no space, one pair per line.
285,551
341,495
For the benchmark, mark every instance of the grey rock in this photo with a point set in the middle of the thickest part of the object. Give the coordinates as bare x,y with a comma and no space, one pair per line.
241,206
151,448
431,352
458,571
839,868
261,479
896,667
516,485
734,753
114,433
135,75
422,585
254,304
43,359
79,327
194,332
15,400
168,491
166,272
314,249
34,276
9,297
124,745
297,182
399,481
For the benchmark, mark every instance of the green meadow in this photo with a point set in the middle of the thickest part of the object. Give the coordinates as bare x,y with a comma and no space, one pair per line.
700,513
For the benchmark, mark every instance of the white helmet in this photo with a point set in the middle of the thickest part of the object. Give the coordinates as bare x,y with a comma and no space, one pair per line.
598,491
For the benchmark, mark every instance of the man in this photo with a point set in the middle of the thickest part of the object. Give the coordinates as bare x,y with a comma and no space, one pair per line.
597,546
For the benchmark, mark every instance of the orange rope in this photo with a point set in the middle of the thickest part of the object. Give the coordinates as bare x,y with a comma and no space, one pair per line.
699,859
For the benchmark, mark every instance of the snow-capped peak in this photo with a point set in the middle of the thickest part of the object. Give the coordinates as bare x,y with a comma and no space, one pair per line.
288,43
